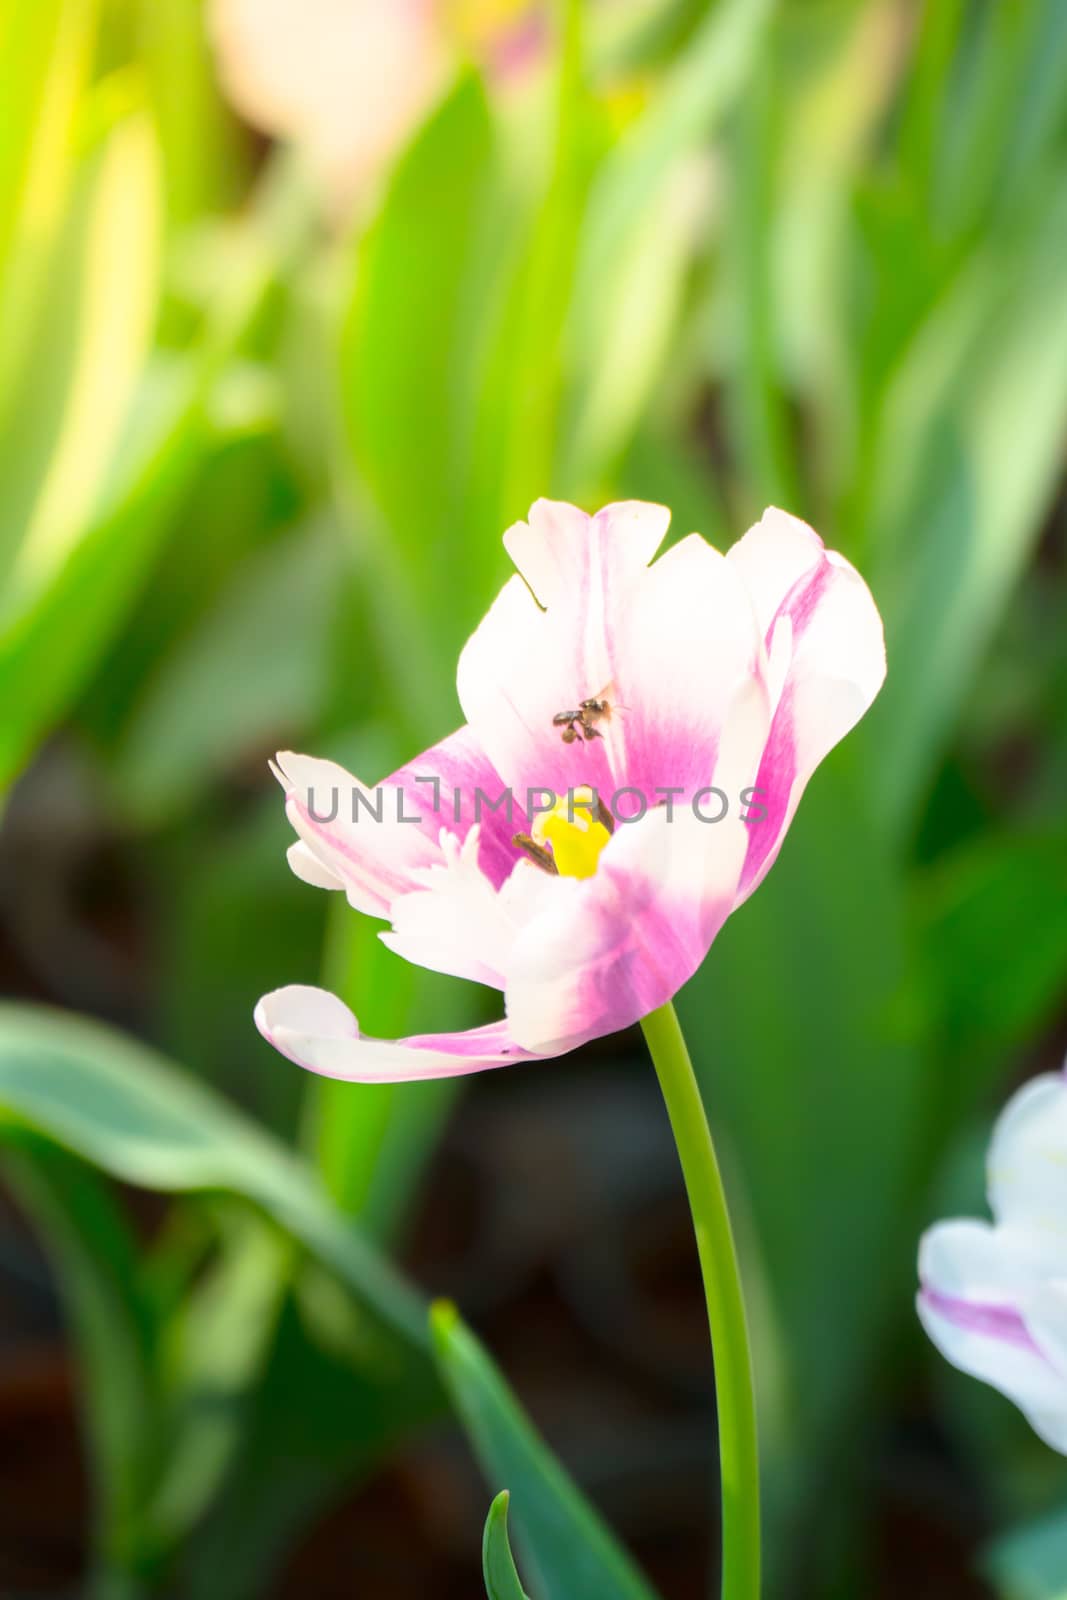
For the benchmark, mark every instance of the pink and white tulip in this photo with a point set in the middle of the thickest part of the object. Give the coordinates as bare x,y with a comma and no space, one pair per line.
348,81
345,80
733,673
994,1295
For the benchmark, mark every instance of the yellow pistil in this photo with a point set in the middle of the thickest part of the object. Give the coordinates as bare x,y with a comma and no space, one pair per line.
574,833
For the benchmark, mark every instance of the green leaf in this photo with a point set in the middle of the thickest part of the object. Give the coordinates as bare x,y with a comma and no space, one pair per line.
402,350
317,1423
121,1107
78,533
970,453
994,923
97,321
518,436
215,1348
636,234
48,647
165,1382
498,1564
206,161
129,1112
567,1547
758,401
267,638
687,107
105,439
113,1330
1031,1562
45,52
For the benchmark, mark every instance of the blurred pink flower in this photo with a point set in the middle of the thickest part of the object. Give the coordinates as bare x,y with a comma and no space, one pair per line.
704,678
349,80
994,1295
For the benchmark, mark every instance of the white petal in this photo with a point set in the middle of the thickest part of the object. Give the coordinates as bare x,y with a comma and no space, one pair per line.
973,1279
318,1031
355,833
456,922
1028,1166
559,545
307,866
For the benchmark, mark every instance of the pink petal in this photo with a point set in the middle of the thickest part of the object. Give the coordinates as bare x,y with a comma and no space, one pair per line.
686,650
668,645
337,820
826,655
376,846
469,791
318,1031
604,951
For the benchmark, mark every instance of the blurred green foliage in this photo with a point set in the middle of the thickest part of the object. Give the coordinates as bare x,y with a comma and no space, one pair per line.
254,467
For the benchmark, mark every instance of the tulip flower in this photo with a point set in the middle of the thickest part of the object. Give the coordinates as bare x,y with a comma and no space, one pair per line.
348,81
582,860
639,733
994,1295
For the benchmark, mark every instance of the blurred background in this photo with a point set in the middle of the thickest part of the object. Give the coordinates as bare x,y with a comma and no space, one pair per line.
302,302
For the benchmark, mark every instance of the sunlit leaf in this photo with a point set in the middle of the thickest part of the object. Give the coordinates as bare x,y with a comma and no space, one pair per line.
45,52
970,454
402,350
54,634
641,220
117,299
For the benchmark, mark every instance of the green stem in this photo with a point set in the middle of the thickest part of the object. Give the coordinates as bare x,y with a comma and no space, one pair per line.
738,1449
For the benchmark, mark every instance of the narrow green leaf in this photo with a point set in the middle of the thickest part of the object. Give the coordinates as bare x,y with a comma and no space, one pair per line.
758,386
113,1331
616,333
401,347
50,643
498,1564
115,272
207,163
569,1550
215,1349
970,452
45,55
